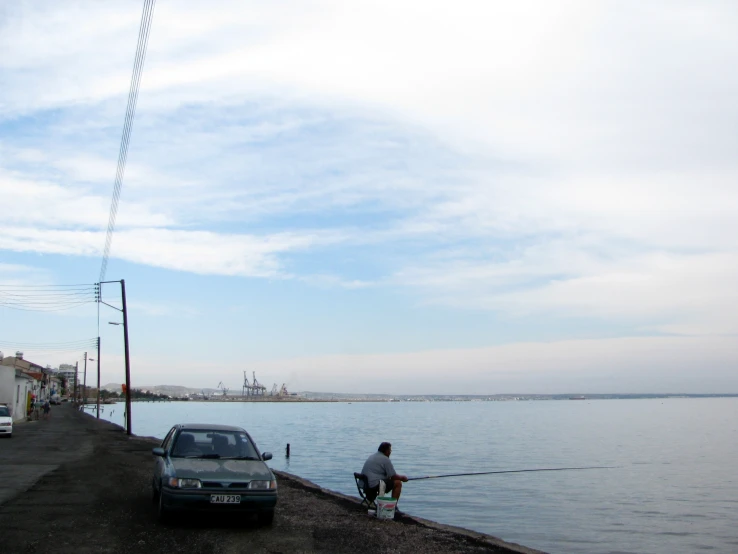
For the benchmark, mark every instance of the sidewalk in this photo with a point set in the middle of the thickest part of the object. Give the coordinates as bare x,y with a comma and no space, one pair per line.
74,484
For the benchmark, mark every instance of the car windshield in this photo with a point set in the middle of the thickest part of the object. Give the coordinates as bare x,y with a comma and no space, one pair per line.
214,444
4,412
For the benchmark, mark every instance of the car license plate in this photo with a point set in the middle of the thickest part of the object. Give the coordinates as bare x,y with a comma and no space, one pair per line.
225,498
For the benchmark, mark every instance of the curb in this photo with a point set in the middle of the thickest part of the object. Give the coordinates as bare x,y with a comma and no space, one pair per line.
467,535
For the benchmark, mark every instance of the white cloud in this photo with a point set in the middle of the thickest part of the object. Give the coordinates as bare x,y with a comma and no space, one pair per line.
591,147
687,293
50,204
627,365
201,252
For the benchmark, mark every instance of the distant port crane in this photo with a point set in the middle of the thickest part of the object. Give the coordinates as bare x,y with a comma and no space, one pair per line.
254,388
282,391
222,387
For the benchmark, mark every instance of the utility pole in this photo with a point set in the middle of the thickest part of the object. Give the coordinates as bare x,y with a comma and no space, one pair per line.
76,380
84,384
128,363
98,377
125,343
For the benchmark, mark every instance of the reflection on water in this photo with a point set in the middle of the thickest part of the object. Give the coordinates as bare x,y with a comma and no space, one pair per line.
674,490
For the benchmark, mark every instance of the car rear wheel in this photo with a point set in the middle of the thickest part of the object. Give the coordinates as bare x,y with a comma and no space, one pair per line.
266,518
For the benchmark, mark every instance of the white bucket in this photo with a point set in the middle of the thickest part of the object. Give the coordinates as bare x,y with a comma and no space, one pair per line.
386,507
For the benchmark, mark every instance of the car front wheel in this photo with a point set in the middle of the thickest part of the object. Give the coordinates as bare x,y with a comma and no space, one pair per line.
162,511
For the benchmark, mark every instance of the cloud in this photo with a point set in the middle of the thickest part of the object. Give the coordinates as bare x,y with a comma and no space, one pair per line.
624,365
198,252
561,159
554,81
656,291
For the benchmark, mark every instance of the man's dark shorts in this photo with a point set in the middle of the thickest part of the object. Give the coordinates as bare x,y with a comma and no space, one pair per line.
388,485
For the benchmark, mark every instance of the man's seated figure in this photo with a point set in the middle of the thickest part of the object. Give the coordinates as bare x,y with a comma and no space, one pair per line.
378,469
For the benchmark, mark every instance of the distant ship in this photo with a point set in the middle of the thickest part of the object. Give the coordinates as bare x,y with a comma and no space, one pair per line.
577,398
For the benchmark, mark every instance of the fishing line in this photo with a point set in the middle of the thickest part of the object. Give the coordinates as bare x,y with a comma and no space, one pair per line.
509,471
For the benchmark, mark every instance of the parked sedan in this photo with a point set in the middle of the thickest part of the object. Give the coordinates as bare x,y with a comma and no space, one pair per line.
6,422
215,468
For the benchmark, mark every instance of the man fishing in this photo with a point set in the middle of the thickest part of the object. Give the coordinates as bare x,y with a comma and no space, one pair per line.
379,468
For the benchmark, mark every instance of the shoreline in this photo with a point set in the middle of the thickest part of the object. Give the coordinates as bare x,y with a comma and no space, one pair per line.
83,485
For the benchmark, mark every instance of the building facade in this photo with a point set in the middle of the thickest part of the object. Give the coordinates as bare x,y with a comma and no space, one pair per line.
22,382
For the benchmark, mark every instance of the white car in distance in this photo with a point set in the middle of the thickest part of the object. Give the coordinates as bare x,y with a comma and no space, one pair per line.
6,422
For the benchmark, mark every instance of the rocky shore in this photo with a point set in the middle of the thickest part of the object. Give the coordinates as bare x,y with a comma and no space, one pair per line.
76,484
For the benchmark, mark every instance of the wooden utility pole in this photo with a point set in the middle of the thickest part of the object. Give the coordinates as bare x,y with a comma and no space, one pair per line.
125,344
128,362
98,377
84,383
76,380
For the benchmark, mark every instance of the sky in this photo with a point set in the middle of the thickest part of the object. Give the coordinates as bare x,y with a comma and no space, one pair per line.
405,197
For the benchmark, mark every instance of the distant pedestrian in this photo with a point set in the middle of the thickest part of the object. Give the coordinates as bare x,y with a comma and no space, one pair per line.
47,410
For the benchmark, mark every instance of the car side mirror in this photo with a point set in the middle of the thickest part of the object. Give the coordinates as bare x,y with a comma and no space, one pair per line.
266,456
159,451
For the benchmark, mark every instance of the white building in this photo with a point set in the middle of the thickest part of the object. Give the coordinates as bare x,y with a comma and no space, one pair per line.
18,382
22,381
68,372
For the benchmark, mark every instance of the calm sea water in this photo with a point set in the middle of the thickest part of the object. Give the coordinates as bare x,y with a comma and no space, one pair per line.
675,490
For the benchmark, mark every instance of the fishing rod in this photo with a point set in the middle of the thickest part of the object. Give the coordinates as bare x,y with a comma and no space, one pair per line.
508,471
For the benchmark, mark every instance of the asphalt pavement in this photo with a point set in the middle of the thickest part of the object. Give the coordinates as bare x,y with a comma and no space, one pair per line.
74,484
39,447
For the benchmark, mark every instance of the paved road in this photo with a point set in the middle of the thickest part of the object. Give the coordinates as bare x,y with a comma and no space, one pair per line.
77,485
39,447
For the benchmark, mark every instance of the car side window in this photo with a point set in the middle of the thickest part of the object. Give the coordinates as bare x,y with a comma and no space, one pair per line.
245,447
166,443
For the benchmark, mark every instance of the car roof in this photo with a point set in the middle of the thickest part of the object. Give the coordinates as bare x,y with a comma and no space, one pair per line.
209,427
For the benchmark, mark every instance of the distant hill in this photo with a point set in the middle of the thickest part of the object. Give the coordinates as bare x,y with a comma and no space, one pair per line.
170,390
177,390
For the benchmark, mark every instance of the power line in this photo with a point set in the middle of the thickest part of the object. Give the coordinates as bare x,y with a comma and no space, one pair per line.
50,347
66,344
46,298
50,287
43,306
143,39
